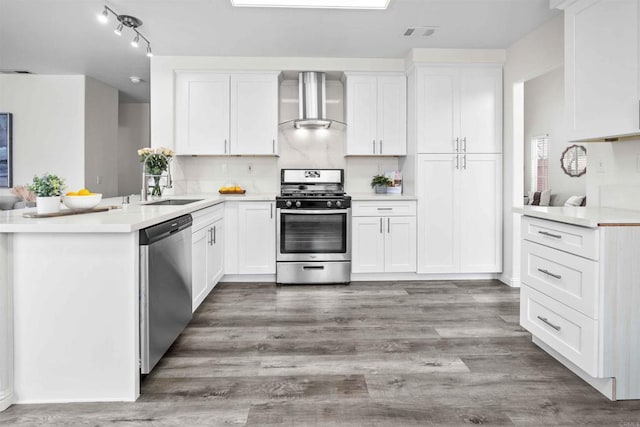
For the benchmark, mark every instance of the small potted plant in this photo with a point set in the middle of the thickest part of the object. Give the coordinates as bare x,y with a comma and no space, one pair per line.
48,189
379,183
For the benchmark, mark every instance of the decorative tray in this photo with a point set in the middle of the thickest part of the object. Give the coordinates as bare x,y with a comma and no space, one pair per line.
227,193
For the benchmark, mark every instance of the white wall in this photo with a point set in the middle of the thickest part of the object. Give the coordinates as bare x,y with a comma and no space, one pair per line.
133,134
48,126
544,114
101,138
537,53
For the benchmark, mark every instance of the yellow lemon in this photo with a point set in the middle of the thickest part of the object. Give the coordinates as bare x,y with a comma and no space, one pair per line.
223,189
84,192
237,189
71,193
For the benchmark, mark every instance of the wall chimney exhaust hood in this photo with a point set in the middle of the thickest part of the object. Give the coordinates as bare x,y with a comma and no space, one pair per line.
312,98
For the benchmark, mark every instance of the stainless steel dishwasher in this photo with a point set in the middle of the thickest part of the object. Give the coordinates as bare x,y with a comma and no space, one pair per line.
165,287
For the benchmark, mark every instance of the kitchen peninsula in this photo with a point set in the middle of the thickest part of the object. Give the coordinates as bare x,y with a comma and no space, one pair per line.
73,281
579,296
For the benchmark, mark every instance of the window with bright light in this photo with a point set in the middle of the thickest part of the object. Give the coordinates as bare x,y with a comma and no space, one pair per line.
540,163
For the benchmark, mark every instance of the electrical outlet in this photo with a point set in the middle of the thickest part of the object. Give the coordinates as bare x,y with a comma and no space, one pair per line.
601,166
98,180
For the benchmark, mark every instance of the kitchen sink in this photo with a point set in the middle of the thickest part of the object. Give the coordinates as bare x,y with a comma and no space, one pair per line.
173,202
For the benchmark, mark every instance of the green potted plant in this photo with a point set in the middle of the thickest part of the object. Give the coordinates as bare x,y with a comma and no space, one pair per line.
379,183
48,189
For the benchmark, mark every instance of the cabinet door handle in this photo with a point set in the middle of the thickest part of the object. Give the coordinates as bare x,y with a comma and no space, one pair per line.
380,225
388,225
545,320
464,162
214,234
546,233
380,146
385,209
548,273
271,210
225,146
374,146
457,145
273,146
464,144
457,161
210,242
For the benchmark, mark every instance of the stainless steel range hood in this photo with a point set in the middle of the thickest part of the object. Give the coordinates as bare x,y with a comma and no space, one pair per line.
312,99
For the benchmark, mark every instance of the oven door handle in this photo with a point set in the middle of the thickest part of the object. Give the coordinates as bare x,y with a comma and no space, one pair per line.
316,212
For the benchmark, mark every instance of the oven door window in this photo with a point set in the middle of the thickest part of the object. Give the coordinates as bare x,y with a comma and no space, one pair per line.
313,233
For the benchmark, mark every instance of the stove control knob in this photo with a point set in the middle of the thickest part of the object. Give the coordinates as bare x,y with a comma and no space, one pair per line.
298,204
328,203
339,204
288,203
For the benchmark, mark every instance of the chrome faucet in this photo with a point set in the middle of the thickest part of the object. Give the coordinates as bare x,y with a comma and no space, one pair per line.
145,187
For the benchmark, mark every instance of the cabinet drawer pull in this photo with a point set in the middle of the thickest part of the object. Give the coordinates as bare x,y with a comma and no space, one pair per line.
313,267
548,273
385,209
546,233
545,320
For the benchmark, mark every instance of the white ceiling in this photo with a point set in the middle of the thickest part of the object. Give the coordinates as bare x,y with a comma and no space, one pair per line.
64,36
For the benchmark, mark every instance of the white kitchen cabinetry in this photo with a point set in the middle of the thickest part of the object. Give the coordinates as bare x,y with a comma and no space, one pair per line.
579,300
207,252
384,237
376,114
223,113
458,109
251,233
602,68
459,213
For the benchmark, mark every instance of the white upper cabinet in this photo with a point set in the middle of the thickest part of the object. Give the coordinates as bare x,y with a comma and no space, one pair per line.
254,114
376,114
459,109
202,113
602,66
222,113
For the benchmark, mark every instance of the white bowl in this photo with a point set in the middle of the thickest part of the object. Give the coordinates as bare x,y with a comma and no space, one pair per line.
82,202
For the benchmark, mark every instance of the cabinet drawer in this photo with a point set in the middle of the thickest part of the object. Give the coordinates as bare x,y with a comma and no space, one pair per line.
206,216
570,333
565,237
384,208
568,278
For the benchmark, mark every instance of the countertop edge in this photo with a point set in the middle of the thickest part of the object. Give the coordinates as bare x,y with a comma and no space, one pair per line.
583,216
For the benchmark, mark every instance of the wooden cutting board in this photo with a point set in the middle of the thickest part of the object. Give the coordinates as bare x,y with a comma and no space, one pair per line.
68,212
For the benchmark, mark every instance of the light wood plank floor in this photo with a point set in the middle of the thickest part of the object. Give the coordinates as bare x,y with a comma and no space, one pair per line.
370,354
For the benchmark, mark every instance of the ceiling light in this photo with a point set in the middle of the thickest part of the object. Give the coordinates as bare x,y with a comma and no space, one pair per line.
127,21
316,4
104,16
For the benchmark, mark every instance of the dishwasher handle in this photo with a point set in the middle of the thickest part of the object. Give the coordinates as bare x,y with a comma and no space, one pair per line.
164,229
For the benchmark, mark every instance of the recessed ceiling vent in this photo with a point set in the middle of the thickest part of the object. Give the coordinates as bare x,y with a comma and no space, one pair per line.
419,31
15,72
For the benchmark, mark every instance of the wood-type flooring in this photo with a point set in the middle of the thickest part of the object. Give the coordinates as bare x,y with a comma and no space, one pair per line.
443,353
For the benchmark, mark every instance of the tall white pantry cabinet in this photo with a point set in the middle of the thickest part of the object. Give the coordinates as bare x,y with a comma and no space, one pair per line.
456,129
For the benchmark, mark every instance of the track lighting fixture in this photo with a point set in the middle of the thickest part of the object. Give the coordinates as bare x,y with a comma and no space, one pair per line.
126,21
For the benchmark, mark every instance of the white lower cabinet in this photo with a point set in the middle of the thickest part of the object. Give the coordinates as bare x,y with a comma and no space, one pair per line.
251,234
383,244
579,300
459,213
207,252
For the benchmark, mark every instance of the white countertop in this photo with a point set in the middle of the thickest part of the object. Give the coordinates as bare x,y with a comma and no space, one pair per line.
582,216
358,197
131,217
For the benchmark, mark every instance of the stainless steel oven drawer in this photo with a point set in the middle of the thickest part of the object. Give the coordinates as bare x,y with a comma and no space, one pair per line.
313,272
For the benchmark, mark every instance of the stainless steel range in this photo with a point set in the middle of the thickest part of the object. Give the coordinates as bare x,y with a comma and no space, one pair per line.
313,227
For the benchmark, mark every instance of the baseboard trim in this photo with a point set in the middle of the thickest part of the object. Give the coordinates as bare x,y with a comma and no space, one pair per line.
514,282
377,277
6,401
236,278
